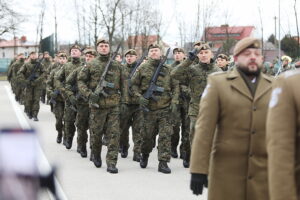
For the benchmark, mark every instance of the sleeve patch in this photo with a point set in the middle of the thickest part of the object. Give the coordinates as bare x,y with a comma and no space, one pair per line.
205,90
274,97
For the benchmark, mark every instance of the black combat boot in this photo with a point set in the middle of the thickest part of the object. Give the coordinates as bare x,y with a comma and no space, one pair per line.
174,153
112,169
124,152
69,142
144,160
83,151
35,118
97,160
136,157
186,160
59,137
29,115
163,167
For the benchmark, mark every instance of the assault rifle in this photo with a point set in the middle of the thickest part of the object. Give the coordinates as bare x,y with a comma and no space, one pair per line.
33,75
103,83
149,94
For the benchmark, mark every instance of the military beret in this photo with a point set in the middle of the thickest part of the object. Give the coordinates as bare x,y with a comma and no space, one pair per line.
46,52
90,51
153,46
101,40
198,43
178,50
204,46
75,46
248,42
131,52
223,56
62,54
33,52
21,54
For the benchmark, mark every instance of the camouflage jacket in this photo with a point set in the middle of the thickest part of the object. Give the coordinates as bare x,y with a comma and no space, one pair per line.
15,67
64,72
28,69
183,86
196,76
132,99
89,78
141,80
52,83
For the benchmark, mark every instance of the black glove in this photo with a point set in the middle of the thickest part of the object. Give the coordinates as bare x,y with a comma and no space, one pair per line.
193,53
197,183
143,102
124,108
94,98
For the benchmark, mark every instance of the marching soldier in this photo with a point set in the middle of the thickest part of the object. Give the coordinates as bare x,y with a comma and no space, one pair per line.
16,86
283,143
157,118
56,99
82,117
70,110
222,62
132,115
196,77
32,74
229,144
182,115
104,108
46,63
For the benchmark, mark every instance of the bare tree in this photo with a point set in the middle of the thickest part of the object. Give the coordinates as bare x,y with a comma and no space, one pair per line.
261,28
78,20
297,26
9,19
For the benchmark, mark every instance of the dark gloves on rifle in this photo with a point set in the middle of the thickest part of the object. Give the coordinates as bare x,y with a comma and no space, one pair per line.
193,54
94,98
143,102
197,183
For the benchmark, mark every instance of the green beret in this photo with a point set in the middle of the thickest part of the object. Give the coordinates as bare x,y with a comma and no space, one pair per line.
46,52
198,43
153,46
75,46
33,52
223,56
101,40
62,54
178,50
90,51
248,42
131,52
204,46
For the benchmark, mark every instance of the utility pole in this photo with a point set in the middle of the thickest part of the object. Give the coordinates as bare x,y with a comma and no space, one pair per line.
275,18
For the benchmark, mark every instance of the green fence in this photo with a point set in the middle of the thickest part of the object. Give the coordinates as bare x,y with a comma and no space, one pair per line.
4,62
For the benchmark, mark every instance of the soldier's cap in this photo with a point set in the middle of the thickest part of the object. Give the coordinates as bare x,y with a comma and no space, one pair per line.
223,56
102,40
177,49
130,52
21,54
75,46
153,46
248,42
62,54
33,52
90,51
289,59
46,52
204,46
198,43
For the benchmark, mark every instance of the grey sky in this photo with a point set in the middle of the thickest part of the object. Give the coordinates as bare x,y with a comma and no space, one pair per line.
238,12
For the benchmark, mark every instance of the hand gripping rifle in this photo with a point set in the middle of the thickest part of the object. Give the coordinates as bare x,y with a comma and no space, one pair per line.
103,83
33,75
149,94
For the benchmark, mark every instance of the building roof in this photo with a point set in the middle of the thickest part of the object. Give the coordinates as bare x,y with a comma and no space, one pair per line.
142,40
16,42
222,32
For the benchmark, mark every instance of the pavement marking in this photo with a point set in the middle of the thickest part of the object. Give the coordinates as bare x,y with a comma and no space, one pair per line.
43,160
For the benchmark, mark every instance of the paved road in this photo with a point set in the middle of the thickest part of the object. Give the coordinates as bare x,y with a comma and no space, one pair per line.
78,179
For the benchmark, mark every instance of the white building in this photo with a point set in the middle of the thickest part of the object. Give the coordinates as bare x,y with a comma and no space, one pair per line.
10,48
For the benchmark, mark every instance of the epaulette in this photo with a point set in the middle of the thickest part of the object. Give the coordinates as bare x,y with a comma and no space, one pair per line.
217,73
291,73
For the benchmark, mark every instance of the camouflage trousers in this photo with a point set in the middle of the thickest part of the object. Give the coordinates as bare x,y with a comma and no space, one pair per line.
132,117
69,121
109,118
58,110
193,120
153,121
32,100
82,123
184,124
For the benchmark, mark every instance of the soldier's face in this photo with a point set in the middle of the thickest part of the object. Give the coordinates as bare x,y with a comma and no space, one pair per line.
130,59
89,57
62,60
285,62
33,56
222,62
46,55
178,56
75,53
154,53
103,48
205,56
250,61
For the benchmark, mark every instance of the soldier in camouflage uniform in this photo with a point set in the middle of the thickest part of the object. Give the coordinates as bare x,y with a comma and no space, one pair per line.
70,102
46,63
56,98
108,111
158,116
222,62
182,116
82,117
196,77
9,73
32,75
16,86
132,115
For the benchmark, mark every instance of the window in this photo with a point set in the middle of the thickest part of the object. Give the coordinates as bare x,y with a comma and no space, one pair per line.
3,54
